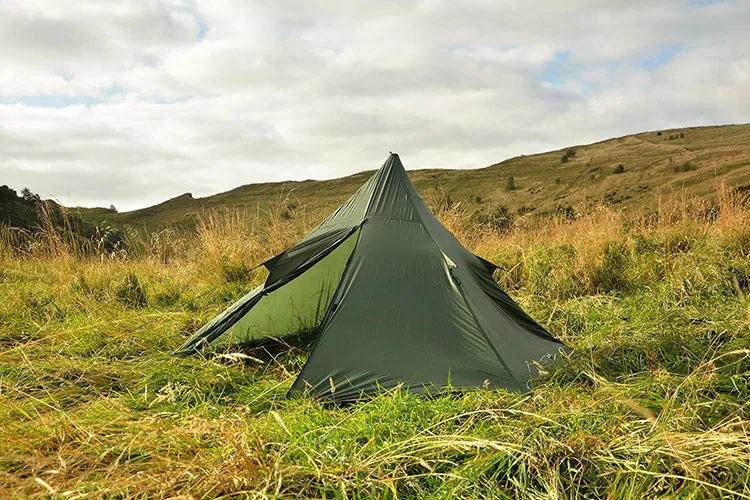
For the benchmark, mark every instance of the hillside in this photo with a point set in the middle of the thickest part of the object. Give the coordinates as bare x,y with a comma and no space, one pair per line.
630,171
22,216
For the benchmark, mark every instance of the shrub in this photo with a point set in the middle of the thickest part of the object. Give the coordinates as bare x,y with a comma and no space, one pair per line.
620,168
510,184
478,199
567,212
523,209
557,181
570,153
685,167
500,220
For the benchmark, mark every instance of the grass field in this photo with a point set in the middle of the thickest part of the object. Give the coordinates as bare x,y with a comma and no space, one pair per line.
655,404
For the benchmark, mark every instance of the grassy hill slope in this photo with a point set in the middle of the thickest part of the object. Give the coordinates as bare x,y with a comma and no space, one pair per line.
631,171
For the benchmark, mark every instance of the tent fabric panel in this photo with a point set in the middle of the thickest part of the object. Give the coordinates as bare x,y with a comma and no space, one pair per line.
299,305
432,340
214,328
291,262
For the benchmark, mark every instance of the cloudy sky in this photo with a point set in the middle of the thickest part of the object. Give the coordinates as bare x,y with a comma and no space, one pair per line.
131,102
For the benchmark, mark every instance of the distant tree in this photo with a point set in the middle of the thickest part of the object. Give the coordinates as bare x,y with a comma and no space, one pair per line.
557,180
511,183
6,193
112,208
28,195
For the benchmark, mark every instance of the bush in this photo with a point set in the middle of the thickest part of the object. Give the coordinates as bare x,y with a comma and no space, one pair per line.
499,220
620,168
685,167
478,199
557,181
567,212
570,153
510,184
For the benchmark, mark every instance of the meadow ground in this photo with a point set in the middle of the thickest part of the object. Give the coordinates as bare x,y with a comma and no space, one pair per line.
654,404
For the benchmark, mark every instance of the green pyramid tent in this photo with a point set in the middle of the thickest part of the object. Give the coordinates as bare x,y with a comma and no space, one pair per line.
397,300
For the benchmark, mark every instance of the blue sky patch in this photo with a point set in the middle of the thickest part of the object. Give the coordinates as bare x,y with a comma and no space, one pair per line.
703,3
551,71
51,100
59,101
665,54
202,30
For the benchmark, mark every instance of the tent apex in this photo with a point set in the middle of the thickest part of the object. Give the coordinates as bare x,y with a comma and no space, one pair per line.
393,159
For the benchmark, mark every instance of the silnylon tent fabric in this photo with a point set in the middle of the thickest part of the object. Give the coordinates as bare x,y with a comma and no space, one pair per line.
398,302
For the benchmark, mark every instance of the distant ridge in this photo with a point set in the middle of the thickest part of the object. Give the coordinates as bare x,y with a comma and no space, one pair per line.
628,171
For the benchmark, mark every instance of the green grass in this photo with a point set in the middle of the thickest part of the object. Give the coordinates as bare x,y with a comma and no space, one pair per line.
655,403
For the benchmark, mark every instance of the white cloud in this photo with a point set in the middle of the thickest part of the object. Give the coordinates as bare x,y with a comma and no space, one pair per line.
134,102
